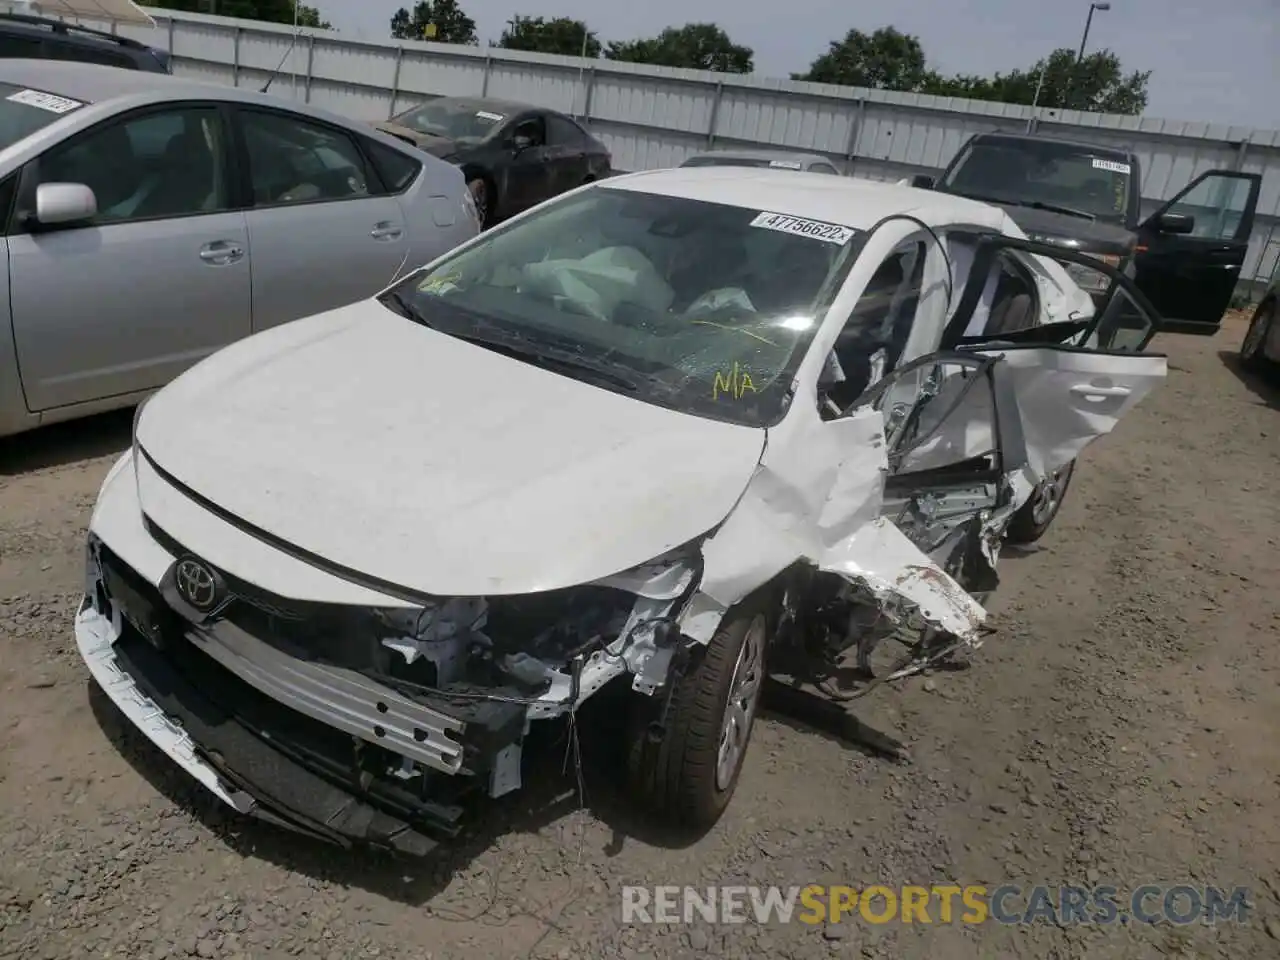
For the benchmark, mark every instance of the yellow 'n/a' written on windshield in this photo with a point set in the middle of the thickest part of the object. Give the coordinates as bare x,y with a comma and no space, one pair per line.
733,383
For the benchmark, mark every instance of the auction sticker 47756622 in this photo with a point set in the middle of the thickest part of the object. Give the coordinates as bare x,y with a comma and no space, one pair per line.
45,101
800,227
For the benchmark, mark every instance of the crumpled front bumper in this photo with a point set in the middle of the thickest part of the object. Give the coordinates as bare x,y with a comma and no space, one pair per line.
221,749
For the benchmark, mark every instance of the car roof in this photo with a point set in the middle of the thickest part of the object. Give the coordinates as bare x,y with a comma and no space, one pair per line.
760,155
95,83
1058,141
851,202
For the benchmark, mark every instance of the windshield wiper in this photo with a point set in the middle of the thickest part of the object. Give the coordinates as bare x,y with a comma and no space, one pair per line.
519,347
562,362
1055,208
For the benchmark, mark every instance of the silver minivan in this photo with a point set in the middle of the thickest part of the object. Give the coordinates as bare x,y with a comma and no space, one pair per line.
149,221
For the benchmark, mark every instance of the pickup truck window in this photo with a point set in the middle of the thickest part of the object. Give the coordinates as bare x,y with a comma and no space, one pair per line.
1094,184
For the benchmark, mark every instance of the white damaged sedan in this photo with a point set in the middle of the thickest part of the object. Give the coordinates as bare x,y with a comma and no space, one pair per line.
675,431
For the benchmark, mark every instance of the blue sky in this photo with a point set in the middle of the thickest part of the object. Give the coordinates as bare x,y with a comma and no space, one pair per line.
1213,60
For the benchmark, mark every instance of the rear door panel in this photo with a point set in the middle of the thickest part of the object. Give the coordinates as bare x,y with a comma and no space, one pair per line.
320,234
1072,380
1190,278
1070,396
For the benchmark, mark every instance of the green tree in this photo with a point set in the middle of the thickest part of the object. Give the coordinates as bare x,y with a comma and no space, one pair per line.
272,11
884,60
1097,83
451,24
561,35
696,46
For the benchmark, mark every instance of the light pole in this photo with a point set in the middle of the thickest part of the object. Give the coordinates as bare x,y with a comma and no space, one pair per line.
1088,22
295,42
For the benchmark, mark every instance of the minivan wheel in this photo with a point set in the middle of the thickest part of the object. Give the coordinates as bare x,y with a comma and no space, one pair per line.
689,773
1034,518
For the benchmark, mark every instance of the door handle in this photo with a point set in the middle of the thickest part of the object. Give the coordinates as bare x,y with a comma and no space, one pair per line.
221,252
1088,390
386,230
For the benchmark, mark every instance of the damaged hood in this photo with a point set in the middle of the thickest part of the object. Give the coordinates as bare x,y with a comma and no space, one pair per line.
389,449
436,146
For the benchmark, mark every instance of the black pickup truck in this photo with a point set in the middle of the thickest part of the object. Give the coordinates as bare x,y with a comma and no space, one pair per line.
1186,256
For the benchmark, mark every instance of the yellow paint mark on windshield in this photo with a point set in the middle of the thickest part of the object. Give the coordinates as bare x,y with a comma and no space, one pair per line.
733,384
731,329
439,284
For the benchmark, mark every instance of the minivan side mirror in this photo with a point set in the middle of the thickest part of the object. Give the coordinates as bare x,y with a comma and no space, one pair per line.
922,181
521,142
64,203
1177,223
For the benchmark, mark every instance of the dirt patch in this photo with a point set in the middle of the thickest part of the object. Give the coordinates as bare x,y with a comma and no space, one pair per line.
1120,727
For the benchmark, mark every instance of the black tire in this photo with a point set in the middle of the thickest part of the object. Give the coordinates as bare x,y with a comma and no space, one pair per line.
1034,518
485,198
678,777
1252,354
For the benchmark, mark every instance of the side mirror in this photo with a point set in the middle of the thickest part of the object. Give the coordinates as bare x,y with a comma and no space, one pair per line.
922,181
64,203
1176,223
520,142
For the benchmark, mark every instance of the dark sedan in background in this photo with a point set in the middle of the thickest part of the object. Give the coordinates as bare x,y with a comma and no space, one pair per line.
513,155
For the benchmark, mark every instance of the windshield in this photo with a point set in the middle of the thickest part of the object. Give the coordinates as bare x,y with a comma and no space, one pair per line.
24,111
464,121
1093,184
697,306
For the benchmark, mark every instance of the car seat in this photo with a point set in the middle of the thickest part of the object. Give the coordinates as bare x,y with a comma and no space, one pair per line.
186,180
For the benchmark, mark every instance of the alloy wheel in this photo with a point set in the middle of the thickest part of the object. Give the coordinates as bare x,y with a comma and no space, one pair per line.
740,707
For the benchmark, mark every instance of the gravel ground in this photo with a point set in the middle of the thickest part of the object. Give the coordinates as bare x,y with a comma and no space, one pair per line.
1120,727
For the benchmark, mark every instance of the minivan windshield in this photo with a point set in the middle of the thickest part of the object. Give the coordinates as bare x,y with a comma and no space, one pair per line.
701,307
24,111
466,121
1066,178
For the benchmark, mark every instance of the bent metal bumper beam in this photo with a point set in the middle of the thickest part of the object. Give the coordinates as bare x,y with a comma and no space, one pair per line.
343,699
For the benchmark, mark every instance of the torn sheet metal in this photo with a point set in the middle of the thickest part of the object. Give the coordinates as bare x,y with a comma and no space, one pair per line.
880,557
833,472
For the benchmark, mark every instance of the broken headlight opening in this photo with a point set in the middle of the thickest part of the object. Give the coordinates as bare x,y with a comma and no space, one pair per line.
434,700
546,651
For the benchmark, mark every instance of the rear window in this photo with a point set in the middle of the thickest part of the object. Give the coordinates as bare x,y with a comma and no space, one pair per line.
395,169
1092,182
23,111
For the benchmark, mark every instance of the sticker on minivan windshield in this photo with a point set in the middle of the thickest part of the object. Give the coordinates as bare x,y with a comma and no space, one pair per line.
1111,166
45,101
813,229
491,117
786,164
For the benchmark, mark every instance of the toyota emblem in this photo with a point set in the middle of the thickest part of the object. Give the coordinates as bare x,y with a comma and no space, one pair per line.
196,584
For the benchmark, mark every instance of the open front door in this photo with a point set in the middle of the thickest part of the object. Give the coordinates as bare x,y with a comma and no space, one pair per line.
1190,251
1071,381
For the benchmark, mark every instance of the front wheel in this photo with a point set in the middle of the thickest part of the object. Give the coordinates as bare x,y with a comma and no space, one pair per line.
482,197
688,774
1034,518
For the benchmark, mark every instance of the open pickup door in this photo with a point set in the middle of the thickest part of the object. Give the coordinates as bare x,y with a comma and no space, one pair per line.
1190,251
